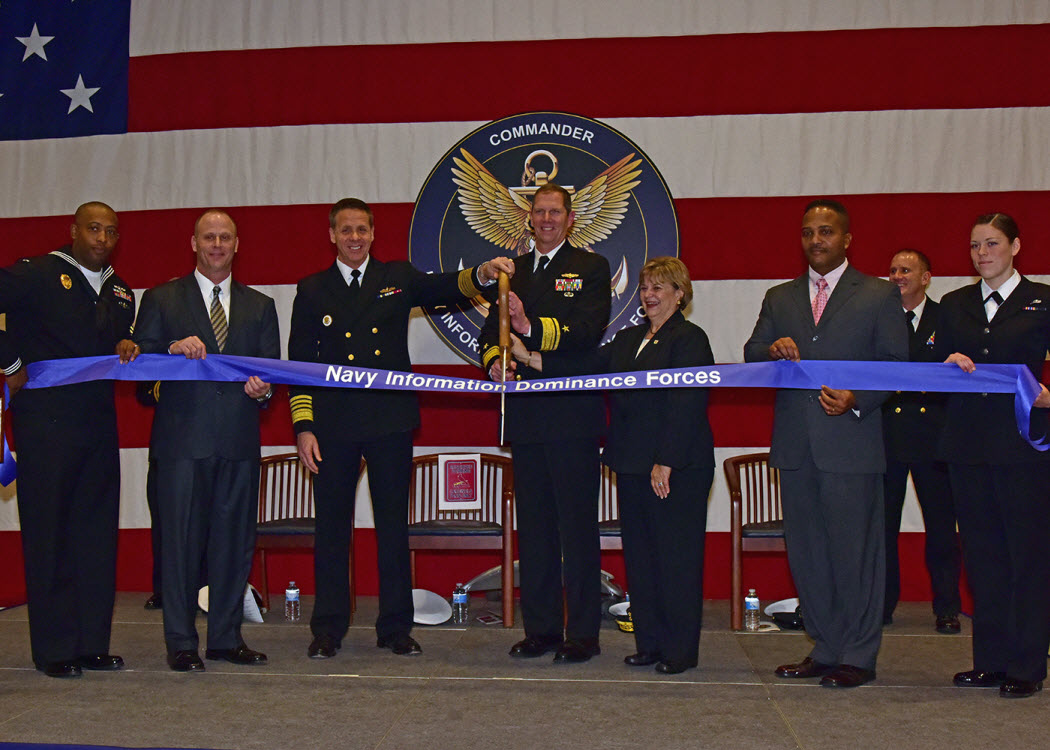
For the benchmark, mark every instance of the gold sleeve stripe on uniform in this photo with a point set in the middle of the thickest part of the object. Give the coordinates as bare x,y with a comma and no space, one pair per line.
302,408
466,283
551,337
490,354
156,391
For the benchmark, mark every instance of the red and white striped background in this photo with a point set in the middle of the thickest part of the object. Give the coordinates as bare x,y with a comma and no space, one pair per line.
918,116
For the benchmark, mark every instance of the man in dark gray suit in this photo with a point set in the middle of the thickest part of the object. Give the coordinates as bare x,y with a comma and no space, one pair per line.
206,443
827,445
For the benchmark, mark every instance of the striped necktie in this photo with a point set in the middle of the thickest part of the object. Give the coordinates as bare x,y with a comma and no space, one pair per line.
218,319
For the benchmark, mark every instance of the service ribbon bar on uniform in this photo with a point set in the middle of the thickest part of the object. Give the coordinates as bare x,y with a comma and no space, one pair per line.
806,375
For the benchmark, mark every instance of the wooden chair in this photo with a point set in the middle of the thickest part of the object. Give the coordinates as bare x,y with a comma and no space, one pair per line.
490,528
286,515
609,511
755,518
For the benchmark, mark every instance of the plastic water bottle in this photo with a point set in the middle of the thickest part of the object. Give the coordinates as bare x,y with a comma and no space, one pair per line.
291,602
751,611
460,605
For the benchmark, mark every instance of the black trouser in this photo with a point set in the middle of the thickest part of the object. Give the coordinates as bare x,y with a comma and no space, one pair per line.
943,555
68,500
208,508
1004,517
556,497
389,461
663,548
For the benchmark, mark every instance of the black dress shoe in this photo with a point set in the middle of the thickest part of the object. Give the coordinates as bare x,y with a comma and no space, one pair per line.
977,679
1014,688
576,650
672,667
804,669
401,644
948,625
322,647
642,659
101,662
185,661
154,602
535,645
847,676
62,669
239,655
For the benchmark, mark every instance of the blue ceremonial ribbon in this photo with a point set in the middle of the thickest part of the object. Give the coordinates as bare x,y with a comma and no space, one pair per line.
8,469
807,375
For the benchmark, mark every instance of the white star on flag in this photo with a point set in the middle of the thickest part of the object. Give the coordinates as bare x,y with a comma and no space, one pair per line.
34,44
80,95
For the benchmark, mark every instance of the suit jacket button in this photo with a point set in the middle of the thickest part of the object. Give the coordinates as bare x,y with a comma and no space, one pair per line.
898,409
814,338
987,330
375,330
922,410
377,352
984,351
350,357
348,334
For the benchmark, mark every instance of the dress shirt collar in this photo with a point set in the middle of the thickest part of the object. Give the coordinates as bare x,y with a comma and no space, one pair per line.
1005,290
918,313
549,256
345,270
832,277
207,285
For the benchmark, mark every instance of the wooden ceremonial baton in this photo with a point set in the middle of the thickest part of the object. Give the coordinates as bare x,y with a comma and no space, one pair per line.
504,342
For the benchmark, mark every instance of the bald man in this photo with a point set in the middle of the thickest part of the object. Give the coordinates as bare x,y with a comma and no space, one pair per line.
68,303
206,443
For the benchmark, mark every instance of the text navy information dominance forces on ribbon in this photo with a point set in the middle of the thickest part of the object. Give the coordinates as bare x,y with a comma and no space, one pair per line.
806,375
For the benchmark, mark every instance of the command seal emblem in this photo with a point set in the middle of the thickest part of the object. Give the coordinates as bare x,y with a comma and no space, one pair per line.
477,201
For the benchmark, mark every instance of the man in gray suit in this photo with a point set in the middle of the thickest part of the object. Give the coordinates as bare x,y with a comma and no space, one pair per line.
828,447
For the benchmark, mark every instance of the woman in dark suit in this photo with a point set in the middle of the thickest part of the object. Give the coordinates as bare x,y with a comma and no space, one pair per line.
1000,482
662,451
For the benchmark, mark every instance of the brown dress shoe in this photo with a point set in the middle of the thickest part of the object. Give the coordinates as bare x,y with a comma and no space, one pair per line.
847,676
804,669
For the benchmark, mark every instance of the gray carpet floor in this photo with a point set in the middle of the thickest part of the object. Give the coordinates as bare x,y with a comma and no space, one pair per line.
465,692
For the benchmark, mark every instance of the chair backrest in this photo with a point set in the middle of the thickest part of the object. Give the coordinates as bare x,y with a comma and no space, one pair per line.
754,488
495,483
286,488
608,503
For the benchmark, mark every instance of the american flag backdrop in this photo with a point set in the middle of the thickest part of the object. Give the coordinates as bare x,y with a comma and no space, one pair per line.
918,116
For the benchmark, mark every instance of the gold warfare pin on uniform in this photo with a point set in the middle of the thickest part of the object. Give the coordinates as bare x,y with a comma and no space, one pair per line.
66,281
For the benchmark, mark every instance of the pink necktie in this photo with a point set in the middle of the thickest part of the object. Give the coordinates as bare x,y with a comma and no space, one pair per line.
821,300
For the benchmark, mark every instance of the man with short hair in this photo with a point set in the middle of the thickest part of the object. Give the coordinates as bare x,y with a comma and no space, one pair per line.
206,443
911,424
559,301
68,303
827,445
356,313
